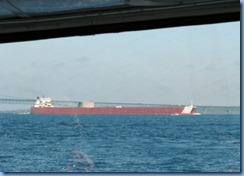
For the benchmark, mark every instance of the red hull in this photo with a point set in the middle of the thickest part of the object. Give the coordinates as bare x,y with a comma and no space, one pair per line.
109,110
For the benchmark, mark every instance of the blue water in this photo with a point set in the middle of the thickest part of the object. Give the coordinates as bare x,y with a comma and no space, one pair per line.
119,143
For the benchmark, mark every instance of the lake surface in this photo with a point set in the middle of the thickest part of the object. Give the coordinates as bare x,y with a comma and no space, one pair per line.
119,143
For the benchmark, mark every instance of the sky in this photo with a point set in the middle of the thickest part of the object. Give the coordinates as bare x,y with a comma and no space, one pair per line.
179,65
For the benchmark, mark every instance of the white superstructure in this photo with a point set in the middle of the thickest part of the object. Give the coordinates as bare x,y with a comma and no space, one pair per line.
43,102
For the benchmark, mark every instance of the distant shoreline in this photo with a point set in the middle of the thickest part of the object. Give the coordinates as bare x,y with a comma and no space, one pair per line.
219,109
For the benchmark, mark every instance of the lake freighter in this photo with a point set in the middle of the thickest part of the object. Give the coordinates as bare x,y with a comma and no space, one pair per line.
43,105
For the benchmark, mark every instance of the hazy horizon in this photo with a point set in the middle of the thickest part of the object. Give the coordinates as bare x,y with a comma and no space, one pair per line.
161,66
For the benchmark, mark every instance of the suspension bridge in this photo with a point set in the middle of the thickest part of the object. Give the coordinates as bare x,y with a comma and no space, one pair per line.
63,103
32,102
